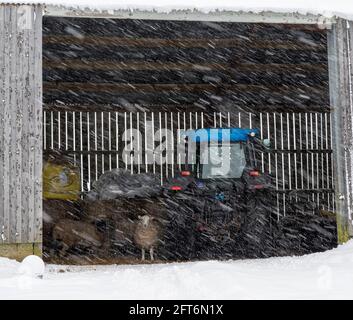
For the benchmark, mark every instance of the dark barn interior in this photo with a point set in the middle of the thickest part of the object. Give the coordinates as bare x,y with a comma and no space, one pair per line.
102,76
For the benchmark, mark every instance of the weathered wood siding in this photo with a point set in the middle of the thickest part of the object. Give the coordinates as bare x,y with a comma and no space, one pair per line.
20,123
340,54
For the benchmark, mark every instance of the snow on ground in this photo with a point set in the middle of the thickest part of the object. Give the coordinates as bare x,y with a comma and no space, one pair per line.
326,275
327,8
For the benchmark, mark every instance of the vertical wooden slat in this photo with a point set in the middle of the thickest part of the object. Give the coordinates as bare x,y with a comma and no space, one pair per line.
88,150
276,163
6,126
283,167
312,155
261,137
269,138
38,98
52,130
326,172
138,143
294,143
35,153
301,153
332,183
15,174
2,124
289,155
172,144
102,142
131,145
317,172
31,140
96,144
340,84
66,132
74,135
160,141
59,129
110,140
146,133
25,140
45,129
117,137
322,167
179,141
307,154
81,149
153,142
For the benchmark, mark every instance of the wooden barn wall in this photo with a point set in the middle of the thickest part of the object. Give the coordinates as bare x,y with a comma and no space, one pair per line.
145,65
20,124
340,54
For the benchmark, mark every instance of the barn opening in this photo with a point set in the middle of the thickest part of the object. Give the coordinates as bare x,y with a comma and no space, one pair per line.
104,76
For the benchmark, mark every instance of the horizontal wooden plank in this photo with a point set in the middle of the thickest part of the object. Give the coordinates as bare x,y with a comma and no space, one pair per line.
182,42
108,65
287,78
245,99
242,54
132,87
67,107
163,28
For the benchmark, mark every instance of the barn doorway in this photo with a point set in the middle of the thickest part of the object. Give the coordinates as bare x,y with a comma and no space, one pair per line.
103,76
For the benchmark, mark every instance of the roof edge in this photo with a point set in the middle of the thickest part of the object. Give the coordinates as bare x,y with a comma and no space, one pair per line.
192,15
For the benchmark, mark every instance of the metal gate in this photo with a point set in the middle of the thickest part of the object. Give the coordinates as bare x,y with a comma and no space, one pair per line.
300,159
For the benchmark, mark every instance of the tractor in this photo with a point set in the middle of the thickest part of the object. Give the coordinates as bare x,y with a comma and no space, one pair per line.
228,203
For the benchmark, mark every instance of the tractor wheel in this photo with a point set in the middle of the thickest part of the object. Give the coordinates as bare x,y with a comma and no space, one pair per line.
257,225
304,233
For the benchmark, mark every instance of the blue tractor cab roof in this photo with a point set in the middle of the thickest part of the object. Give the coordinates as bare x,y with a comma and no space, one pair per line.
222,134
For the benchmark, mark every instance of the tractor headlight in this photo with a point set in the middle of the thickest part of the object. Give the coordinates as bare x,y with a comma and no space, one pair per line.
266,143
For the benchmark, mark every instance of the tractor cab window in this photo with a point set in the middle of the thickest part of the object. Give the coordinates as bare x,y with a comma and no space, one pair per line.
223,161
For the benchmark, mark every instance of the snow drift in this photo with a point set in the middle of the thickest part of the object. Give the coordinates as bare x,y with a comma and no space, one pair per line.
325,275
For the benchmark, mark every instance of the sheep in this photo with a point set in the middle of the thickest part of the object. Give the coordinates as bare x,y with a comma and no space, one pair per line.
72,233
146,234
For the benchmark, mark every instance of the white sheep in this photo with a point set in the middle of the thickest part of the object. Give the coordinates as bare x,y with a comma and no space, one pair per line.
147,234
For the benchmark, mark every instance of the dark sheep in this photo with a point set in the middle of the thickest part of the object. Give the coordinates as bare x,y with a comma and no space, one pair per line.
71,233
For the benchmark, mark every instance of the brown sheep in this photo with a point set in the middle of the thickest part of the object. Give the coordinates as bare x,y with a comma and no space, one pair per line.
146,235
72,233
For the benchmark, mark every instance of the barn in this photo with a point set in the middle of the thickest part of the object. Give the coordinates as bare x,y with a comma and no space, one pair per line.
74,79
